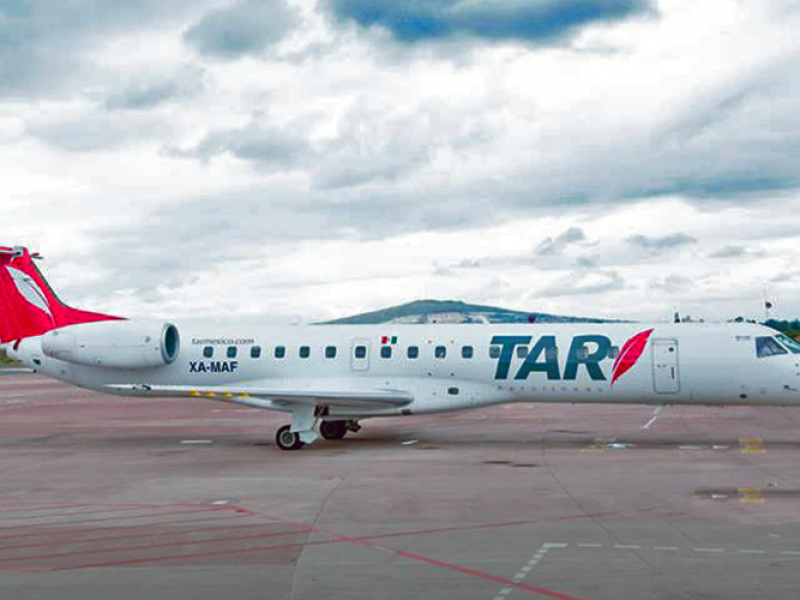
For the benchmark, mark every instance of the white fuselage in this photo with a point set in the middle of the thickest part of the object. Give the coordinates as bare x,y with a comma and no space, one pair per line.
680,364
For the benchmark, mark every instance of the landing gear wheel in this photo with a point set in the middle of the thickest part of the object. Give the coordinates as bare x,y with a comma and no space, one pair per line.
333,430
287,439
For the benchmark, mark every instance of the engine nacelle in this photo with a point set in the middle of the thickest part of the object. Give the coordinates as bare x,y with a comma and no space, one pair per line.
115,344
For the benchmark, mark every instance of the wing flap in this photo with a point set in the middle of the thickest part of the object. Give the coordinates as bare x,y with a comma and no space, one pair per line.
259,397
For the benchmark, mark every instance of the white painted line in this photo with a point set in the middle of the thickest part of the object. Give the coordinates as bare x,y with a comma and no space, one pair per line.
197,441
590,545
721,447
653,420
666,548
621,547
753,551
523,572
708,549
690,447
409,442
790,552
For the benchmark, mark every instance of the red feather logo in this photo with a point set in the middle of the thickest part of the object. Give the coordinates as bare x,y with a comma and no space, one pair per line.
630,354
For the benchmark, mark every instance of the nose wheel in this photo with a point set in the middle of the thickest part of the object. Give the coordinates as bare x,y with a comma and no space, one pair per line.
287,439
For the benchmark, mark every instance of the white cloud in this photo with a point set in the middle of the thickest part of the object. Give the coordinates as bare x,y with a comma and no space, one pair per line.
322,169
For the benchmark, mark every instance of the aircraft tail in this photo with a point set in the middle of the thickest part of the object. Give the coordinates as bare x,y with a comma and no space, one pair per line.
28,305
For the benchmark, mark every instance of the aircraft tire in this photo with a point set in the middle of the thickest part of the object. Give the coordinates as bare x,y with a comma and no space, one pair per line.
333,430
287,440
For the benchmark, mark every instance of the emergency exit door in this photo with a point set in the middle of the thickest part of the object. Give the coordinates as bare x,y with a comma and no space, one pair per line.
666,370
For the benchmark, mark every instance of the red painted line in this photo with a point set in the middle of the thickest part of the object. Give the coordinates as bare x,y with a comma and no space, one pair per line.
118,527
476,527
15,559
108,538
29,508
542,591
115,518
92,510
159,559
525,587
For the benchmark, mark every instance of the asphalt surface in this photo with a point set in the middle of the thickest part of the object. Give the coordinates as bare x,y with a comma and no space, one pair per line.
129,499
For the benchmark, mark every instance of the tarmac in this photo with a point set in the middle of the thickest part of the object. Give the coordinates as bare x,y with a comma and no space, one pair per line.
112,498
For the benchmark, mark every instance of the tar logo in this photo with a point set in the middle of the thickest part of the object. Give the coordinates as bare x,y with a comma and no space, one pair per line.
543,357
213,366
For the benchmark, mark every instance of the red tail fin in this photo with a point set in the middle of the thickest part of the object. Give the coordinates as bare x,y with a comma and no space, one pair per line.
28,306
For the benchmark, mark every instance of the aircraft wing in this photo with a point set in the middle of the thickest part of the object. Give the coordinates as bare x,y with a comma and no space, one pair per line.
283,398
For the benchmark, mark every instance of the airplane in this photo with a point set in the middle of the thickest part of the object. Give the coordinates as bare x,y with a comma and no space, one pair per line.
329,378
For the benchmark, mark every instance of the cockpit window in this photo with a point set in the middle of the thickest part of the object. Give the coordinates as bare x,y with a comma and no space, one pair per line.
767,346
792,344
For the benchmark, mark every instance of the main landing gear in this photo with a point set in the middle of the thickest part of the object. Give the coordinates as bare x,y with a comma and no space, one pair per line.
336,430
286,439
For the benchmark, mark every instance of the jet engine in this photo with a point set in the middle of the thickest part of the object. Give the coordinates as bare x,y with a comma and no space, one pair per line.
115,344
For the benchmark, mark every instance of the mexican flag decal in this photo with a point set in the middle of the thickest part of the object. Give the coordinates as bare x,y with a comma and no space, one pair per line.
389,340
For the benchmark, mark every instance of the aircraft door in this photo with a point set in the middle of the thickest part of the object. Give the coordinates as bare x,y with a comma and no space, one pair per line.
359,355
666,371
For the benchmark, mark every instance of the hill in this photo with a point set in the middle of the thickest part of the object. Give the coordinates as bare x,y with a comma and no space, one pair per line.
5,361
455,311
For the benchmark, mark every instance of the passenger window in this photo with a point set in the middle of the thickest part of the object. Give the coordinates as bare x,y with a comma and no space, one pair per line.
386,352
494,351
232,351
208,352
467,352
613,352
792,344
413,352
582,353
522,351
255,352
280,351
330,352
361,351
551,353
305,351
767,346
440,352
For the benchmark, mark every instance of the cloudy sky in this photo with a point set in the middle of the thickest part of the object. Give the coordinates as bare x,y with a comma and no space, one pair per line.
310,159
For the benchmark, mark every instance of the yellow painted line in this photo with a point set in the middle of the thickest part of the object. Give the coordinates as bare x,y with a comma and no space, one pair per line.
194,393
243,395
209,394
752,446
226,395
600,444
750,495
